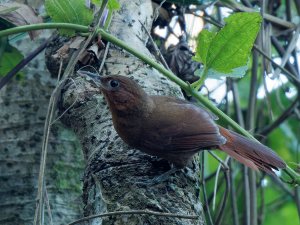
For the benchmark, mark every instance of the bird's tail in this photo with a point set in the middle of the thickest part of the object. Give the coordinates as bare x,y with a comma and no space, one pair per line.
251,153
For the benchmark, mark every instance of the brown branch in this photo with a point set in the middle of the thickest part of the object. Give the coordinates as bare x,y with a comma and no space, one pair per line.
204,189
286,114
281,52
24,62
157,52
273,19
225,197
136,212
233,197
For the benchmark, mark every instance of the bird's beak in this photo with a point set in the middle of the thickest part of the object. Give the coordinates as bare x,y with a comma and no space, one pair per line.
95,77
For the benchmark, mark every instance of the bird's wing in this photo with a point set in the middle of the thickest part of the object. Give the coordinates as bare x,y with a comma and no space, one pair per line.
180,127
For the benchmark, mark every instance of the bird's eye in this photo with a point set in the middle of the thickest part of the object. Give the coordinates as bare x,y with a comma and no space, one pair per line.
114,83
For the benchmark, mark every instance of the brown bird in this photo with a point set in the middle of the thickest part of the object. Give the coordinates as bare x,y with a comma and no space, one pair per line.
175,129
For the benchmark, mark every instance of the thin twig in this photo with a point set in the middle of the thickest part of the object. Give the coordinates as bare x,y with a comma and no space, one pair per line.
136,212
50,112
66,110
204,189
284,187
225,196
48,207
297,199
104,57
106,50
24,62
292,45
250,121
297,189
156,12
290,76
253,197
220,183
231,85
232,189
247,3
210,176
285,115
267,95
273,19
41,180
224,165
246,196
277,203
250,118
216,187
281,52
225,168
260,216
157,52
236,103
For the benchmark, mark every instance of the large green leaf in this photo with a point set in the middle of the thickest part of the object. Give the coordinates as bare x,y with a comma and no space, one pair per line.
232,44
227,52
237,72
9,59
203,44
69,11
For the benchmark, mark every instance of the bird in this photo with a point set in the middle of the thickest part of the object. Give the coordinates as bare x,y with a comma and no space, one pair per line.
175,129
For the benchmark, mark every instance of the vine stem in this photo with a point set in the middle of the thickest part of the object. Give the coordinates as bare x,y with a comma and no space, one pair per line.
197,84
187,87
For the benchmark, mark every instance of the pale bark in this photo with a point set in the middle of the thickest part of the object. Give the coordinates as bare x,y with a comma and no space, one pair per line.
23,105
113,168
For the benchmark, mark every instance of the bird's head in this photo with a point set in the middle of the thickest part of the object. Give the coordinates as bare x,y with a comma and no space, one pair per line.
122,93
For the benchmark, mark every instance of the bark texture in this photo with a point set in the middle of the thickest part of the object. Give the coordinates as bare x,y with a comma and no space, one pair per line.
113,168
24,106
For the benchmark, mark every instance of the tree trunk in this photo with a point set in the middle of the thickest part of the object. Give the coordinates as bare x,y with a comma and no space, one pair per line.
24,106
114,169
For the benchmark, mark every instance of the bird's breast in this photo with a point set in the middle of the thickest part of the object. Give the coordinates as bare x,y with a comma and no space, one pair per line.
129,129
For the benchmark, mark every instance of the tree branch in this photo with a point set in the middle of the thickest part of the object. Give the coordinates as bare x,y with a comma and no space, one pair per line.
135,212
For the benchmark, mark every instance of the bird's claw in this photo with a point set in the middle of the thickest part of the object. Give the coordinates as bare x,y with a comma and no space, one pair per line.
159,179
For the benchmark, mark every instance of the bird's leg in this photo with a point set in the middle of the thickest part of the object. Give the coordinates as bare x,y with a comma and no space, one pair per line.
159,179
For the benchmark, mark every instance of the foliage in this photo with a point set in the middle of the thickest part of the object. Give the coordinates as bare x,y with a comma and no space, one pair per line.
9,59
69,11
234,41
111,5
245,103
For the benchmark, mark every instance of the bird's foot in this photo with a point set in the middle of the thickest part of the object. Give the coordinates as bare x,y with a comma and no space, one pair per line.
159,179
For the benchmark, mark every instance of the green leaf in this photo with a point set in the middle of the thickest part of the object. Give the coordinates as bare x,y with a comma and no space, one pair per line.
238,72
69,11
231,47
10,58
226,53
203,43
112,4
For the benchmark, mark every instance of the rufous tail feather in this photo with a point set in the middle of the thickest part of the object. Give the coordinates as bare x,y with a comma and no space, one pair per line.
251,153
